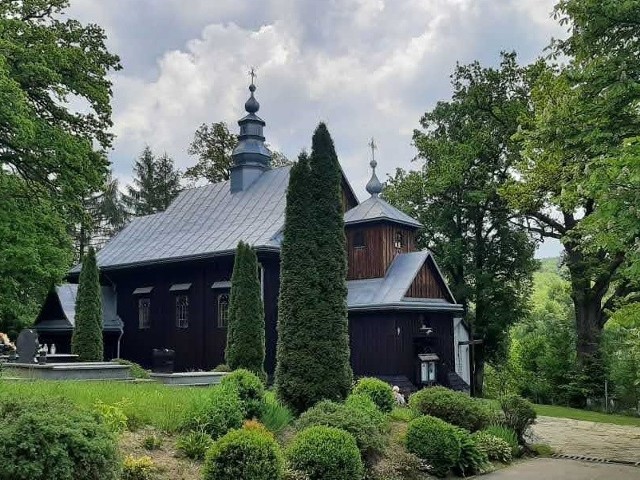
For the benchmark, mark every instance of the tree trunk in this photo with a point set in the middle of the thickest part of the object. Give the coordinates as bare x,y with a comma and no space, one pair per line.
589,320
478,370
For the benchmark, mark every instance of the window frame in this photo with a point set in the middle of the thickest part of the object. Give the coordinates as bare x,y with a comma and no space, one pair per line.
222,322
398,241
182,311
144,325
359,241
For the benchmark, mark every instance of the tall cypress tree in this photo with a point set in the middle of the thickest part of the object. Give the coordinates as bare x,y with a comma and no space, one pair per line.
245,331
86,341
313,340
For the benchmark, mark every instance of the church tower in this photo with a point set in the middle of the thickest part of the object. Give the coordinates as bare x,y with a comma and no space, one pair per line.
376,232
251,157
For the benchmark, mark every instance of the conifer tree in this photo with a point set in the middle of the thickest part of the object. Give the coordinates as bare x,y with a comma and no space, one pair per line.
313,341
86,341
246,327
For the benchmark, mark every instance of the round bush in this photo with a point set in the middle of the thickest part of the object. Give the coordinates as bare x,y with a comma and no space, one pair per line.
250,390
249,454
519,415
326,453
363,403
434,441
365,430
378,391
216,414
453,407
44,439
472,459
495,448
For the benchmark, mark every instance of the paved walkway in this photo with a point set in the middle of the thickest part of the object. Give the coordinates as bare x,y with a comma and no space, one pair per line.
589,439
558,469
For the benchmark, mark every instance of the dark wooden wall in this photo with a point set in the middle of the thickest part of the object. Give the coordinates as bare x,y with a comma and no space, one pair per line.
427,283
348,199
388,343
372,260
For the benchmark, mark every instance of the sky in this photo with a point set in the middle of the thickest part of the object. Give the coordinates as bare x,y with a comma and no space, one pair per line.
368,68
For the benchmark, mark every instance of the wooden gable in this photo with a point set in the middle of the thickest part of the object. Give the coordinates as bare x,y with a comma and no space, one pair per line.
428,283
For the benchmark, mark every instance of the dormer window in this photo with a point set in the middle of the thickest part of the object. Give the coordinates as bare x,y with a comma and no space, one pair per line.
358,239
398,241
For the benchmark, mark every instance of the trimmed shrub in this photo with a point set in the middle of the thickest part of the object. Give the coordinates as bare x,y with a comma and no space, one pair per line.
245,331
495,448
141,468
275,416
86,340
43,439
250,390
194,445
434,441
519,415
472,459
326,453
249,454
508,435
378,391
216,414
453,407
135,370
222,368
364,429
363,403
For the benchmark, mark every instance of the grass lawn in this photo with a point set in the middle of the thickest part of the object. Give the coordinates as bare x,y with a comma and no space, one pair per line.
150,403
577,414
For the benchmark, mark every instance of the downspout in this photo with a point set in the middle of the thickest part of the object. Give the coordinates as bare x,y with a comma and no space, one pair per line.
119,338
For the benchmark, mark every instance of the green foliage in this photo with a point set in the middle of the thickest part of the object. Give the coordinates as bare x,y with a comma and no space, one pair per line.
34,247
223,367
155,185
326,453
152,442
366,430
506,434
519,414
456,408
220,411
467,145
112,417
135,370
248,454
402,414
194,444
541,450
213,145
494,447
275,416
49,438
245,332
250,390
313,288
472,460
380,392
363,403
86,341
434,441
141,468
47,60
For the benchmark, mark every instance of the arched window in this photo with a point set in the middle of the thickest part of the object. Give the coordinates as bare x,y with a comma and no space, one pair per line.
182,311
223,310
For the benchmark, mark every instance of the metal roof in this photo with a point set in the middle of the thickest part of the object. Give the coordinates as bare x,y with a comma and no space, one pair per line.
375,208
203,221
389,292
66,297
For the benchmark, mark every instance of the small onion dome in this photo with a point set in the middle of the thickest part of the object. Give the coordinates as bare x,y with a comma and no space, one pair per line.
374,187
252,105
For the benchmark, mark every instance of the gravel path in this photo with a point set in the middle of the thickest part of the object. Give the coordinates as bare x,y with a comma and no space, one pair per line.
557,469
598,440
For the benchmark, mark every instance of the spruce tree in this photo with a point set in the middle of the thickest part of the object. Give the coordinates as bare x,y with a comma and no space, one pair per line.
246,328
313,340
86,341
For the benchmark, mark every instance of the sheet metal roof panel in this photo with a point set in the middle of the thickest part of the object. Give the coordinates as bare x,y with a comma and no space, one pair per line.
202,221
67,294
375,208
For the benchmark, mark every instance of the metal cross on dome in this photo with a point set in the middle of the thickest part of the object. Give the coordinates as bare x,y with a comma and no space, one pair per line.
253,74
372,145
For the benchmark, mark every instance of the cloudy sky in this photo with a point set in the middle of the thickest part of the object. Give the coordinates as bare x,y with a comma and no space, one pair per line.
365,67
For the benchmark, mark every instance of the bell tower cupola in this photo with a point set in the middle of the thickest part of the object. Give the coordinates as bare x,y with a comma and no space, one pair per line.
251,157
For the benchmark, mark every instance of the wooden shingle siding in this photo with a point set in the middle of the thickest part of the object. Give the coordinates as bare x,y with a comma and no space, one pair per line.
373,260
427,283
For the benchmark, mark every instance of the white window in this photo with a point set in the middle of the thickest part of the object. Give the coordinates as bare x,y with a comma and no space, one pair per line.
182,311
223,310
398,242
144,313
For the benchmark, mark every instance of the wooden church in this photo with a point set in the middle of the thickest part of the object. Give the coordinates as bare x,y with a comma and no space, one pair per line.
166,278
